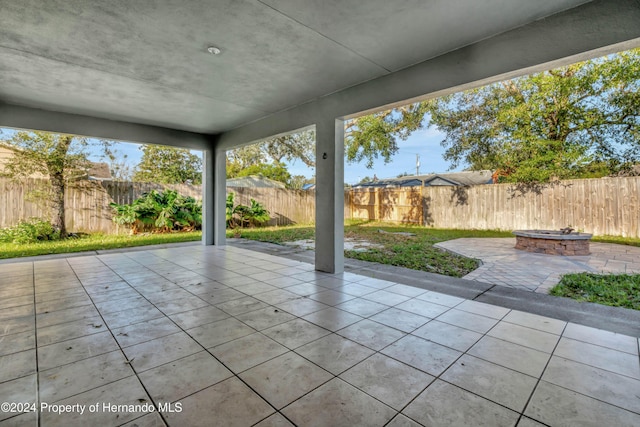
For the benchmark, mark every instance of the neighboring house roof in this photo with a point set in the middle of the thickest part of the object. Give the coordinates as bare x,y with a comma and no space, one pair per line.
308,186
99,171
254,181
433,179
6,152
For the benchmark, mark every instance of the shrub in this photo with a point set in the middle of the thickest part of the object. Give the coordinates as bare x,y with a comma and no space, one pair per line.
229,210
29,231
159,211
242,215
257,213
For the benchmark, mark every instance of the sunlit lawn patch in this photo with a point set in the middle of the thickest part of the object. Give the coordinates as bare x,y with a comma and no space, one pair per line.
618,290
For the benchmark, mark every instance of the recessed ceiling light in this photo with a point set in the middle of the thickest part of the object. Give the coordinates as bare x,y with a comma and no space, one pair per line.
214,50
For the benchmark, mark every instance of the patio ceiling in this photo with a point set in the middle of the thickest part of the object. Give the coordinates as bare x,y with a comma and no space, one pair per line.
146,62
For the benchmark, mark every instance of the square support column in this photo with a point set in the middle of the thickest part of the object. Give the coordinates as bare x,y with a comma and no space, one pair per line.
330,196
207,197
214,196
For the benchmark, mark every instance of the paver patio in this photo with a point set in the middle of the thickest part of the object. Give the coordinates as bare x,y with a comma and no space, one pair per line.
234,337
504,265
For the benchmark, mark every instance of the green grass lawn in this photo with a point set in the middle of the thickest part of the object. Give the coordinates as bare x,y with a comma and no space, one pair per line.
415,252
93,242
630,241
617,290
290,233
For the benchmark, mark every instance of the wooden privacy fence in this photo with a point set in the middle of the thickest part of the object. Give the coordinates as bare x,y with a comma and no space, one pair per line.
404,204
86,202
88,210
285,206
604,206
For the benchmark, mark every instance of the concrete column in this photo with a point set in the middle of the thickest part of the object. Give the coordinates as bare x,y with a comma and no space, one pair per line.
214,183
207,197
330,196
220,197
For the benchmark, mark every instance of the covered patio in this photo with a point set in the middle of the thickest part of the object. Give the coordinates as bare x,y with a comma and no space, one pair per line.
232,336
222,335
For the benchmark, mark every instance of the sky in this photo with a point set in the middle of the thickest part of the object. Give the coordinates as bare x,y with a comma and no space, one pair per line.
425,142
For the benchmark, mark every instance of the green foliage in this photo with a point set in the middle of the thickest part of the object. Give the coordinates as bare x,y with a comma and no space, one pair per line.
57,157
298,181
242,215
124,214
582,120
275,171
257,214
159,211
370,137
168,165
292,147
367,138
618,290
30,231
253,160
43,153
119,166
229,209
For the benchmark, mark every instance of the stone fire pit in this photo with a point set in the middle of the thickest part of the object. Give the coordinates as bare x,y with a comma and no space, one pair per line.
553,242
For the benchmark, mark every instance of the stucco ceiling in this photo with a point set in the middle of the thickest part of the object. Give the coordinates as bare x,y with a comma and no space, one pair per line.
146,61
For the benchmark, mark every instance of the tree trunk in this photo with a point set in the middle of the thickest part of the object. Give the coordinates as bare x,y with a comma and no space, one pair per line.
56,167
57,202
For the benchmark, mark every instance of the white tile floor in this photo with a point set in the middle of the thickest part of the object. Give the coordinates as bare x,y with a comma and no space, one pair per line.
240,338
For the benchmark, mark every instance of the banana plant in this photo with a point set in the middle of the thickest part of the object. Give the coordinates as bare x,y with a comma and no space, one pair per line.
159,211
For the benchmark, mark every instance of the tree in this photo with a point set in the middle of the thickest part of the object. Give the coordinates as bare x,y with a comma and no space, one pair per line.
369,137
168,165
252,160
243,158
292,147
58,157
582,120
274,171
297,182
119,166
366,139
